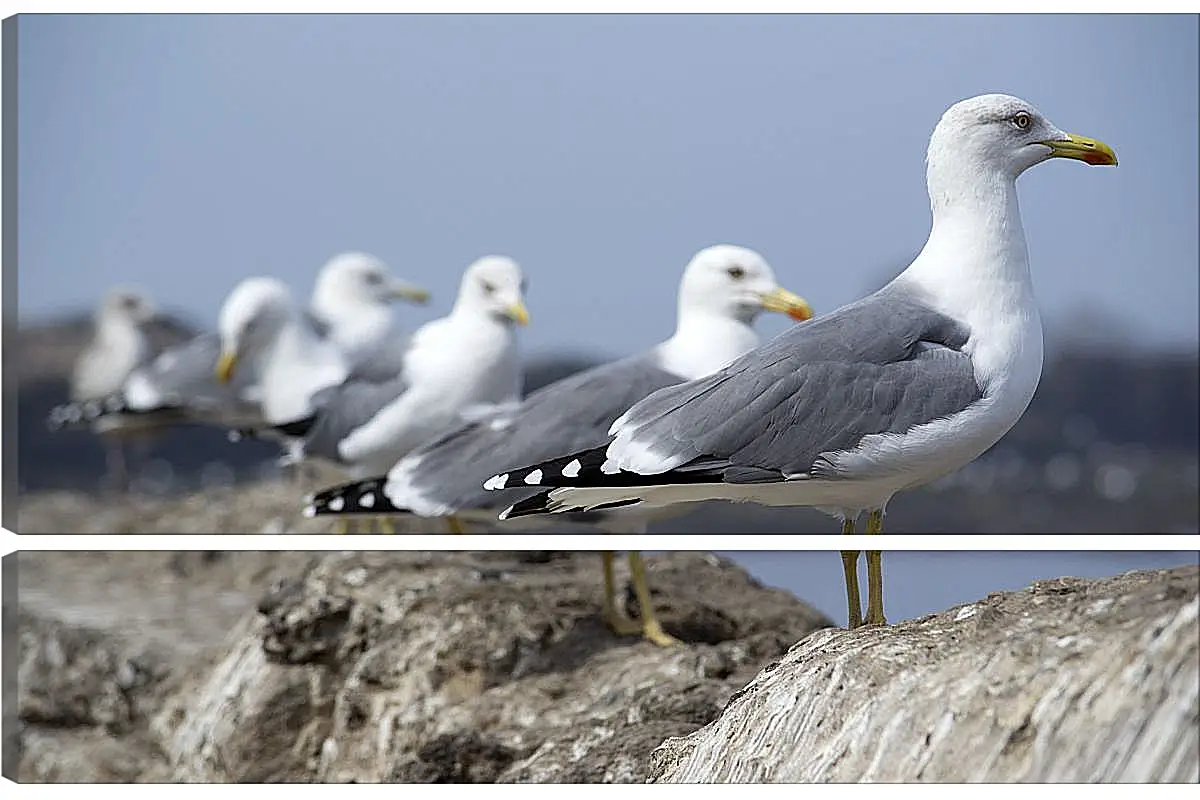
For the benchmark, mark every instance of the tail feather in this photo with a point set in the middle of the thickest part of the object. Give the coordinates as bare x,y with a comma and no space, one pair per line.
357,497
296,429
577,469
85,413
545,503
592,469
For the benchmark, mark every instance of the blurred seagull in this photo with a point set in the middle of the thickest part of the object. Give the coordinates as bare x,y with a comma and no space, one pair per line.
722,291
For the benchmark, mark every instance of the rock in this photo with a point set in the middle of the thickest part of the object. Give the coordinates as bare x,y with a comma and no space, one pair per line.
421,667
496,667
1068,681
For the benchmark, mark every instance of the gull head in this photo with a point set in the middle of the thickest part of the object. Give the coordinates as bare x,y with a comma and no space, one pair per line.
251,316
495,285
736,282
360,279
1002,134
127,305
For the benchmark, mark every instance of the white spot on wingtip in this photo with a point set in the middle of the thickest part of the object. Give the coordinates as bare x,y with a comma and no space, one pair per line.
367,500
337,504
496,482
309,511
534,478
504,513
572,469
609,467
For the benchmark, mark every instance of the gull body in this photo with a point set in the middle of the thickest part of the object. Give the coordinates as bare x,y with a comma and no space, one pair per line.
118,347
879,396
464,364
350,308
722,291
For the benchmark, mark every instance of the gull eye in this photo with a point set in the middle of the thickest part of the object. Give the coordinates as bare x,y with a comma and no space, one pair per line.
488,287
737,273
1022,120
374,278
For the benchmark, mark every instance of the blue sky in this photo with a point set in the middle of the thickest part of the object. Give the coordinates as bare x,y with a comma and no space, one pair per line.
180,153
918,583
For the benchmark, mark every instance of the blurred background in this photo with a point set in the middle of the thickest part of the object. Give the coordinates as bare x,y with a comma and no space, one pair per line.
179,154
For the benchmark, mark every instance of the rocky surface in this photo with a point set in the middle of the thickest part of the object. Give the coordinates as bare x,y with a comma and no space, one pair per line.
477,667
369,667
1068,681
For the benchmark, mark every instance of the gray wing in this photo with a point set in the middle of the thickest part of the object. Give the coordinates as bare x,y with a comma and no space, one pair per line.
185,375
340,410
178,386
568,415
384,363
316,323
884,364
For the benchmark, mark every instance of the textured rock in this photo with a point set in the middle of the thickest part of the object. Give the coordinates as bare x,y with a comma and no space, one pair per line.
409,667
1069,680
477,667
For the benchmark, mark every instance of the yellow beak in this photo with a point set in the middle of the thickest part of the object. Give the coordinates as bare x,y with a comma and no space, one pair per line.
225,367
1081,148
781,301
411,292
519,313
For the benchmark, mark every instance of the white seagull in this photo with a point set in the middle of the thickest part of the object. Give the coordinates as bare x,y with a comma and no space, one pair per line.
723,290
351,309
465,365
118,347
882,395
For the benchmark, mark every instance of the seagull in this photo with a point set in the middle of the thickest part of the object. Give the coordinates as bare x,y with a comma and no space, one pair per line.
465,365
261,329
352,302
350,307
882,395
118,347
723,290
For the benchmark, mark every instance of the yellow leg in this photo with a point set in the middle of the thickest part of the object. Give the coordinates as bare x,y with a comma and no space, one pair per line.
454,525
650,628
344,525
850,568
617,622
386,525
875,575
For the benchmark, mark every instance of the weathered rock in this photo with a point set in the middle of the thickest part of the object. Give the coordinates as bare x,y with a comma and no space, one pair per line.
464,667
1069,680
426,667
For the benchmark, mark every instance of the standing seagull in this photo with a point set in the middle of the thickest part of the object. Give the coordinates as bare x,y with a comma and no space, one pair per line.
263,331
351,307
353,299
882,395
722,292
118,347
464,365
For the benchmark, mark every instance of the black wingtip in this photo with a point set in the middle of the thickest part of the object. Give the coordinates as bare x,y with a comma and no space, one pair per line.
297,429
358,497
540,503
83,413
569,470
